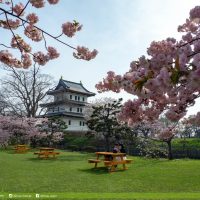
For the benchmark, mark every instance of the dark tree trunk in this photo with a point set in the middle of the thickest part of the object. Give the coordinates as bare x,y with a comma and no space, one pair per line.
169,145
108,144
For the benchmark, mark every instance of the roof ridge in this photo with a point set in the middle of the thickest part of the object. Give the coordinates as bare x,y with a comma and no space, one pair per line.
72,82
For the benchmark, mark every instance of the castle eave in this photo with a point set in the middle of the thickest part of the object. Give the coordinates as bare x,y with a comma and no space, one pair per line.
81,103
52,92
67,114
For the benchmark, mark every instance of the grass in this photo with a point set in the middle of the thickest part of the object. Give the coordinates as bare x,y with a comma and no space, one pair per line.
70,173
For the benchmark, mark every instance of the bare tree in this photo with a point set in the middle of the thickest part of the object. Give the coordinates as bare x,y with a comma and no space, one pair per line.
24,90
3,104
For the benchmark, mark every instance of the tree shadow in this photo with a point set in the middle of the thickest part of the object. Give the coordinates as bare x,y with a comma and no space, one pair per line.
12,151
59,158
36,159
100,170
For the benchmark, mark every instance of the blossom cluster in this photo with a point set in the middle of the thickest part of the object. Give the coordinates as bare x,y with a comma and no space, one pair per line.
33,33
18,42
39,57
193,119
41,3
32,18
84,53
18,8
167,80
70,29
10,24
12,126
42,58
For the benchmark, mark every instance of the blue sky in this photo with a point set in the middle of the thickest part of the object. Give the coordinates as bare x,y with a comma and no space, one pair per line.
121,30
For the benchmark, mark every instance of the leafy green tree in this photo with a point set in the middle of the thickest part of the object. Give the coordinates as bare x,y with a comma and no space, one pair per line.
104,121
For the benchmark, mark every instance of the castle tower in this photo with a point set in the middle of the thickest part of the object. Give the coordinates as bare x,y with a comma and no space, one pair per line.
70,99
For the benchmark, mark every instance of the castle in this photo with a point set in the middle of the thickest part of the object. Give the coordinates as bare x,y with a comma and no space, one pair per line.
70,98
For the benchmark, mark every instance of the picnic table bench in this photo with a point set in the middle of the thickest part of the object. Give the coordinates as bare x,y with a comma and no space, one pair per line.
46,153
111,160
21,148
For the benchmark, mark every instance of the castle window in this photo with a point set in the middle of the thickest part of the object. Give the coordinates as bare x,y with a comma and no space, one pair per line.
78,109
76,98
83,99
70,96
81,110
50,109
69,122
81,123
70,109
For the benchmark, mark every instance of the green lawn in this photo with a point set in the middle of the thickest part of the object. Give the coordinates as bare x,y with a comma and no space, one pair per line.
70,173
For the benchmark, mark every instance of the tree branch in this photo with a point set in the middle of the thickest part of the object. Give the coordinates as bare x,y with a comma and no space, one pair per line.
23,20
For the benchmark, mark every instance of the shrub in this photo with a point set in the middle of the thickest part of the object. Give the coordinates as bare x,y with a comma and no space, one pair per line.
89,149
73,147
150,149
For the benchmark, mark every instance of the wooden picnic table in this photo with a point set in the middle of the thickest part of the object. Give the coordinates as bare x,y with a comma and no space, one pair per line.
111,160
46,152
21,148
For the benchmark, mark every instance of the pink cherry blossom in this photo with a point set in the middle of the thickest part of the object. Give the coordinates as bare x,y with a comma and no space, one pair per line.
12,19
84,53
52,53
14,24
18,42
196,60
53,1
32,18
167,82
33,33
195,12
26,60
40,58
7,58
18,8
37,3
70,29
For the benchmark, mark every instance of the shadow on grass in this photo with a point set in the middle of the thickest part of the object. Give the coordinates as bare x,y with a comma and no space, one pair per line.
36,159
61,158
100,170
12,151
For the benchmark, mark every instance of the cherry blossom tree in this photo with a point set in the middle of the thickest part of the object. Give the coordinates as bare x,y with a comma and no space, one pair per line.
191,125
14,19
15,130
23,130
166,81
157,131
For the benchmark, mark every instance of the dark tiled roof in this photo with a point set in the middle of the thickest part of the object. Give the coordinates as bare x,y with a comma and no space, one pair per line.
71,86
